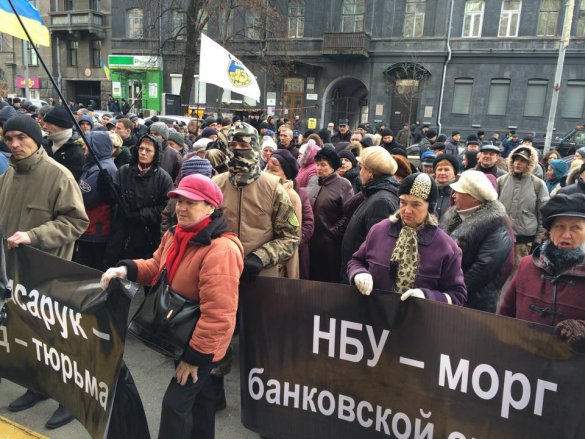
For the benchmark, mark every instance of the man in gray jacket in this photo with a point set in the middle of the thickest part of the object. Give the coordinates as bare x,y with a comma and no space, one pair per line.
523,194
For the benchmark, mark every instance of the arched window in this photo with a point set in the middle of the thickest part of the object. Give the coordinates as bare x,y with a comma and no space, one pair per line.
134,23
352,15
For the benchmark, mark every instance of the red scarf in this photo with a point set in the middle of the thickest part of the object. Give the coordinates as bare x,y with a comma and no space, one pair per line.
180,241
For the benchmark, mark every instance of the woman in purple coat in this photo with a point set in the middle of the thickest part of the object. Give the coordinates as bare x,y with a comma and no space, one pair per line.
408,253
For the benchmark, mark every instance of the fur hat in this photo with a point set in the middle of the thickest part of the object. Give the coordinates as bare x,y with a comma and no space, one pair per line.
378,160
403,169
562,205
454,161
475,184
330,156
421,186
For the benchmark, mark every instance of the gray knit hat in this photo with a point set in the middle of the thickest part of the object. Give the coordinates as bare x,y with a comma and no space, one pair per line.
196,165
176,137
160,128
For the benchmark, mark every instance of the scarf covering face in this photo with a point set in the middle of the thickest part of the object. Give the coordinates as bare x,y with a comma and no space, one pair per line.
179,245
243,167
405,256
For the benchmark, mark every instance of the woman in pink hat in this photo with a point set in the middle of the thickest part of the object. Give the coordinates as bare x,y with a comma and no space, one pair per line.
204,261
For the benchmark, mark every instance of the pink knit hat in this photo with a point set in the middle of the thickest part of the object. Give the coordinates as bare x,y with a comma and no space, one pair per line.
197,187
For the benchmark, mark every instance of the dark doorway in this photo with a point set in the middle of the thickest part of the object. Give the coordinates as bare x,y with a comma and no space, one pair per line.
347,99
404,79
87,91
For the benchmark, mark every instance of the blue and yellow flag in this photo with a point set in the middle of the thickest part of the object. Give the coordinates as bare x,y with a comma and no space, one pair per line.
29,16
106,69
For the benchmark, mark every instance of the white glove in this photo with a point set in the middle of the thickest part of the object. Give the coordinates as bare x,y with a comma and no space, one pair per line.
364,283
416,292
121,272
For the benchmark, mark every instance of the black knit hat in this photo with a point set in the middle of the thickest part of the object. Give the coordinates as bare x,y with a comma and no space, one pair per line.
450,158
288,163
330,156
562,205
60,117
431,134
349,156
25,124
472,140
438,145
386,132
420,185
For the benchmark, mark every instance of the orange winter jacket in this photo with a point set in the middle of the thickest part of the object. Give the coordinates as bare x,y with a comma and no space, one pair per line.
209,273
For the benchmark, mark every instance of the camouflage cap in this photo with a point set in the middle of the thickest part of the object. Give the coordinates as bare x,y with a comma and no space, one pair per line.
245,132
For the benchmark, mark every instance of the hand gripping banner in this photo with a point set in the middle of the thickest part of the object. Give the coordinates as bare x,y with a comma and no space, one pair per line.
63,336
322,361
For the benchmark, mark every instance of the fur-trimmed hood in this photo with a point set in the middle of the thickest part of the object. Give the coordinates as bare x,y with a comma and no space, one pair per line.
489,217
531,164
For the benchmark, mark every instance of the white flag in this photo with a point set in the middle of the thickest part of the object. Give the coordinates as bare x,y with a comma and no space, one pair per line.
218,66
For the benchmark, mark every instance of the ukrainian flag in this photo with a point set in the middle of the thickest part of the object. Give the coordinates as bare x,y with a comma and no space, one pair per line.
29,16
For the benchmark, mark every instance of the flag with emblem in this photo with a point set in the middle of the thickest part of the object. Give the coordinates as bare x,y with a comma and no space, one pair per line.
219,67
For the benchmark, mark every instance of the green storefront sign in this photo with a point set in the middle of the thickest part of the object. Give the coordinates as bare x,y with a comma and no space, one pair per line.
139,80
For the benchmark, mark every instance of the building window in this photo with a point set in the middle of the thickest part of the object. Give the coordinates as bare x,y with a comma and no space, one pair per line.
253,26
296,18
31,55
95,5
68,5
462,95
575,99
34,3
510,18
548,18
179,24
96,53
352,15
414,19
498,101
72,53
134,23
473,19
535,97
581,20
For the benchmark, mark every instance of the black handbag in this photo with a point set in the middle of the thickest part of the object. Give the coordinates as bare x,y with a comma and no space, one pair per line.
165,320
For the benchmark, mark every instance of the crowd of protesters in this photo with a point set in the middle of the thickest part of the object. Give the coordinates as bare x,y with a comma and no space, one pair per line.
481,223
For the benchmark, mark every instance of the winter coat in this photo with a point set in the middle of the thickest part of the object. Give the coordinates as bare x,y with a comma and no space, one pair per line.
171,161
536,295
98,211
518,195
353,176
439,274
575,188
209,273
509,145
70,155
307,228
494,170
338,137
403,137
40,196
380,201
308,167
487,246
136,232
4,164
327,197
392,145
452,147
444,202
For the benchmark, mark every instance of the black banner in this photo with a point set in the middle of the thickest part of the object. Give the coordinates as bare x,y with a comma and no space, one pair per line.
322,361
63,335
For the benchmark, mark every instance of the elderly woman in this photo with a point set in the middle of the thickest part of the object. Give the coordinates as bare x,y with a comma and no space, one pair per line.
555,176
327,193
204,261
282,164
350,170
380,200
408,254
445,168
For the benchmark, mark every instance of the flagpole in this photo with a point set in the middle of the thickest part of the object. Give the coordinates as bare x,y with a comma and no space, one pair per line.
40,58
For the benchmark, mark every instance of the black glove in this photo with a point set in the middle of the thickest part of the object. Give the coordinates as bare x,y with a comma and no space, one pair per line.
252,267
573,332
